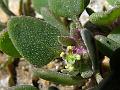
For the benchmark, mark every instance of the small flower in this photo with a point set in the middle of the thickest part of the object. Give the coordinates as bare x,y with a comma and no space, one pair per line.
79,50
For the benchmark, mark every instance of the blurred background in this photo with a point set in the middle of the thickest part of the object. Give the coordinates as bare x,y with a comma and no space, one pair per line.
96,5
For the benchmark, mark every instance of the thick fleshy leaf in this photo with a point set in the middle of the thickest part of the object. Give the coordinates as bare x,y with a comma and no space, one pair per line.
23,87
59,78
105,18
54,20
113,2
67,41
38,4
91,48
85,68
7,46
36,40
106,45
96,29
115,35
67,8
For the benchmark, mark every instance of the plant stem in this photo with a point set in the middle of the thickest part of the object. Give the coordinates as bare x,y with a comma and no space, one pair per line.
5,9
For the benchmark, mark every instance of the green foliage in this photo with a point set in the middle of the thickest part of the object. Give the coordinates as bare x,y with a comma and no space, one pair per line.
66,41
105,18
38,4
90,44
57,77
106,45
115,35
54,20
23,87
35,39
6,45
86,70
113,2
41,41
67,8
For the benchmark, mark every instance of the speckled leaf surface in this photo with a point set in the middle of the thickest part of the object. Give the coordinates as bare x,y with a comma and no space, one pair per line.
23,87
59,78
106,45
35,39
113,2
67,8
53,20
90,44
105,18
67,41
7,46
38,4
115,35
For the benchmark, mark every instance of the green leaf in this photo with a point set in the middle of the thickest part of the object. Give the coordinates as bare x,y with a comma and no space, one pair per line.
67,8
105,18
36,40
87,74
106,45
91,48
85,68
57,77
7,46
115,35
67,41
38,4
54,21
23,87
113,2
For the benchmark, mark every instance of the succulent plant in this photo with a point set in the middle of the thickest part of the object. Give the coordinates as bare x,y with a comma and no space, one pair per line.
37,43
23,87
59,35
105,18
7,46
